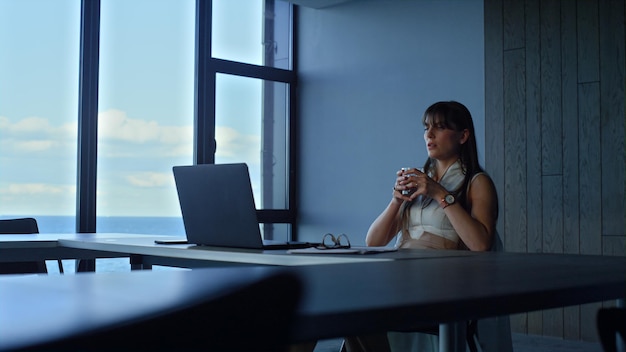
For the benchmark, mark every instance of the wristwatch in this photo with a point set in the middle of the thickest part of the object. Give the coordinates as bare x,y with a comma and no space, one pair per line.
447,201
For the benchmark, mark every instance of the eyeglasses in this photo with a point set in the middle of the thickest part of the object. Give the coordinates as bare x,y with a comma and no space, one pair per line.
329,241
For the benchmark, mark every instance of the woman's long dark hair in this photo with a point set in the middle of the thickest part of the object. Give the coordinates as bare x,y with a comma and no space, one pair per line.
455,116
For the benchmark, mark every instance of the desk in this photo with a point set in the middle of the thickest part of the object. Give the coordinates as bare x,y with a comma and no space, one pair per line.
144,253
36,310
36,247
365,294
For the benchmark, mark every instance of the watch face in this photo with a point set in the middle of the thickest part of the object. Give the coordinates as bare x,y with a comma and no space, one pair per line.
449,199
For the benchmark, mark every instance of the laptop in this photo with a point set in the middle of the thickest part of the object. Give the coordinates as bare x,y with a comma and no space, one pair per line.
218,209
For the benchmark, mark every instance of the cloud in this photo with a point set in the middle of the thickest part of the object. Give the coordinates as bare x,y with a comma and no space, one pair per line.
36,189
149,179
36,135
116,125
232,144
121,136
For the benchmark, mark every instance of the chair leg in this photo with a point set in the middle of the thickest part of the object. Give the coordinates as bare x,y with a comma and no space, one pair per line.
471,333
60,265
611,324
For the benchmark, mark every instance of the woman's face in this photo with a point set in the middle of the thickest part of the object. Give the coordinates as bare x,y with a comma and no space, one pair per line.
442,143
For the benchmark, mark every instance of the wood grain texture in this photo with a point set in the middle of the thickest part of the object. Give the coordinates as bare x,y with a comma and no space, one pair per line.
614,245
551,124
589,168
574,99
588,46
494,108
533,126
515,210
612,90
534,171
552,214
515,214
513,24
569,109
553,242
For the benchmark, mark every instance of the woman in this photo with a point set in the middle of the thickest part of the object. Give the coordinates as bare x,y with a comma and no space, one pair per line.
451,204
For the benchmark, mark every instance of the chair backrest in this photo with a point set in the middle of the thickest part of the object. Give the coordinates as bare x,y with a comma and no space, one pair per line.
21,226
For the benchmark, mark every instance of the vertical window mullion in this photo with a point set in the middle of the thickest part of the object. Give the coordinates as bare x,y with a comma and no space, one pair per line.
88,116
204,92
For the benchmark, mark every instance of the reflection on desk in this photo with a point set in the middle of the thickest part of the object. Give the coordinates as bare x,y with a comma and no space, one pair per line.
209,310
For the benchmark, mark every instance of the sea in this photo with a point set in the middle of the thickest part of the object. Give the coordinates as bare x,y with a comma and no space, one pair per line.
172,226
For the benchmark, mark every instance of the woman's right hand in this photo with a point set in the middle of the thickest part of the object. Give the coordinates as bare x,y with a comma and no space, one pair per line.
405,184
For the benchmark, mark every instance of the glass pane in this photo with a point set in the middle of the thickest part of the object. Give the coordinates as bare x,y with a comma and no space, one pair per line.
254,32
39,51
145,113
274,231
251,127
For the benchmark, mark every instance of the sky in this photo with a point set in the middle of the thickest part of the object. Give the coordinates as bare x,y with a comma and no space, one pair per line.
145,106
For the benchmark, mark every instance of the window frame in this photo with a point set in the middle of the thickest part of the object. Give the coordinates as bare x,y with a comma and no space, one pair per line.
206,70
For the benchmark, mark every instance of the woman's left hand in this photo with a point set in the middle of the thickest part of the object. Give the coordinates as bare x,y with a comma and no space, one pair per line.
423,186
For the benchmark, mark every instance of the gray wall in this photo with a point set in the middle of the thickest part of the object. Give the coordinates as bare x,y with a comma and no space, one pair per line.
555,117
367,71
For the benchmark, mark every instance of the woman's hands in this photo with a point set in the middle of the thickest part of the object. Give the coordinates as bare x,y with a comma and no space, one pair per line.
411,183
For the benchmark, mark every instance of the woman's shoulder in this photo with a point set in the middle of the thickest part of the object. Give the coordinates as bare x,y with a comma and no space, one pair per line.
478,174
482,179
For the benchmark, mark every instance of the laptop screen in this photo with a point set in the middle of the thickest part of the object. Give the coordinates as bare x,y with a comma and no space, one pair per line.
217,205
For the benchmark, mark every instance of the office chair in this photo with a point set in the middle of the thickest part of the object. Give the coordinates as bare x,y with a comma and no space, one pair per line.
611,324
256,316
23,226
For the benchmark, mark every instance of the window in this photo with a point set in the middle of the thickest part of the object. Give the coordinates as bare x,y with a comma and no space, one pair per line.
39,42
251,95
173,76
254,132
254,32
145,113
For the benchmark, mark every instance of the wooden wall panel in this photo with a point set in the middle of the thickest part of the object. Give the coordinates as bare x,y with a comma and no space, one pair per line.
613,245
589,168
569,109
533,145
553,214
553,242
563,79
551,140
513,20
612,66
587,34
515,151
494,105
533,125
515,161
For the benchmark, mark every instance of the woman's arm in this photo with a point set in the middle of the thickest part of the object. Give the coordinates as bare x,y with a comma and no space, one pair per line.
476,228
386,225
